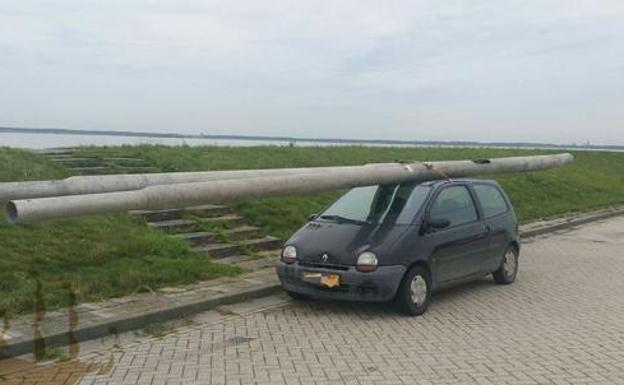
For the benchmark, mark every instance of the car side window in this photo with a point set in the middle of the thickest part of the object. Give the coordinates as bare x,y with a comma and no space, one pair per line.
492,201
455,204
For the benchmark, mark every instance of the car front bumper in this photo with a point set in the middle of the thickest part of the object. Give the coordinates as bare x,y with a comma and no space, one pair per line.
377,286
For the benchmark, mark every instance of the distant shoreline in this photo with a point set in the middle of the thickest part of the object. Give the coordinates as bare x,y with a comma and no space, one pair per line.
64,131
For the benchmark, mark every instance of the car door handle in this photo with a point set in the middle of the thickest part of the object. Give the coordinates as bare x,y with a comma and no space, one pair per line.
486,228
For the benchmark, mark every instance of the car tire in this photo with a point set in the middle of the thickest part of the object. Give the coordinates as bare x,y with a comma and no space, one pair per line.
297,296
508,269
414,292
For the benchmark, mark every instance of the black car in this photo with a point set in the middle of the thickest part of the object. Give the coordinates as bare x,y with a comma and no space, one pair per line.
401,242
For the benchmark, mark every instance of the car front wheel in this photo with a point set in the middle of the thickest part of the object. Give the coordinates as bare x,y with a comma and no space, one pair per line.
414,292
508,269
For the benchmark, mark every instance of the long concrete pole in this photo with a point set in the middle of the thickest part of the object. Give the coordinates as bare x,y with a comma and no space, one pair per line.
231,190
94,184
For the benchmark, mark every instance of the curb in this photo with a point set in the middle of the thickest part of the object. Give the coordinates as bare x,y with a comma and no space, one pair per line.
114,326
119,325
533,230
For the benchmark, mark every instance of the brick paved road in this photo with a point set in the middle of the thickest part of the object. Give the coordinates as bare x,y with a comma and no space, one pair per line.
562,322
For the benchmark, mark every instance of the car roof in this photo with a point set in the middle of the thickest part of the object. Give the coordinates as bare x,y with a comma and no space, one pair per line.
438,182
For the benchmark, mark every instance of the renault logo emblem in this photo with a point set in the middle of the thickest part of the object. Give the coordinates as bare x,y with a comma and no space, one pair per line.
325,257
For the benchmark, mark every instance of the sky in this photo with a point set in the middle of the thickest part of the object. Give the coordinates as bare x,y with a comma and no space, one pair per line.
506,70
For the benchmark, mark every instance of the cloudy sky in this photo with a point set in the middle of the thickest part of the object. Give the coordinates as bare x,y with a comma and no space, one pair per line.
508,70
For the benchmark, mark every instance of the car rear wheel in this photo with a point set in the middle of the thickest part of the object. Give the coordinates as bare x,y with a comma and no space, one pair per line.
508,269
414,292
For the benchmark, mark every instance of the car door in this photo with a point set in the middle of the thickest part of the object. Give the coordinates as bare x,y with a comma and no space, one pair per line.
457,250
498,217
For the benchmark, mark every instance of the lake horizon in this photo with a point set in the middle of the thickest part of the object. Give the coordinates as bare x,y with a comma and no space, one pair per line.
38,141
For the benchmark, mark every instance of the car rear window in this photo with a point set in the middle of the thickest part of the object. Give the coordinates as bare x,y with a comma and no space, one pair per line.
492,201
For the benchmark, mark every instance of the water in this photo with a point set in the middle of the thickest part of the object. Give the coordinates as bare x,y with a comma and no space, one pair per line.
39,141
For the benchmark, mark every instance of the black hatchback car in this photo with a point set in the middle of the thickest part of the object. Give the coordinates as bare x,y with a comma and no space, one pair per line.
401,242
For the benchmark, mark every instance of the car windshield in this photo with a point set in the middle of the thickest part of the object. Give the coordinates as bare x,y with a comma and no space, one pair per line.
397,203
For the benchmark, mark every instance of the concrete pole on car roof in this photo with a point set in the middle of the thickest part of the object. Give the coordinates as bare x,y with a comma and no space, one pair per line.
259,184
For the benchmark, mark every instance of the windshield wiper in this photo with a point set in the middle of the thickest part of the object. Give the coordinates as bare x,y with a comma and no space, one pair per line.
340,218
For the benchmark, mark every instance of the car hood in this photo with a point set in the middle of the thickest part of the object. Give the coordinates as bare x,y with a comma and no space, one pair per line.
343,242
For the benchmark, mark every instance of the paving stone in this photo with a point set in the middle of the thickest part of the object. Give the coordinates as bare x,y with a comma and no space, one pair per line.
205,237
198,211
73,160
135,169
93,170
257,263
220,250
179,225
124,161
56,151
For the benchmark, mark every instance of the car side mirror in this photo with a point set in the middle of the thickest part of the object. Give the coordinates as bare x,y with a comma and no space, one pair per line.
312,217
433,224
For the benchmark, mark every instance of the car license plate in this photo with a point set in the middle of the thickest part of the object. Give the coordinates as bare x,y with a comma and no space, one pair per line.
323,279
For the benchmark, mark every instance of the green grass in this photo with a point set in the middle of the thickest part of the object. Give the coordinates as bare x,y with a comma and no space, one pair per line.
18,165
595,180
53,354
97,257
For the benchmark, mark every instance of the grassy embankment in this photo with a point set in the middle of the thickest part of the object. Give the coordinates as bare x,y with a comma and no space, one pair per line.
98,257
115,255
595,180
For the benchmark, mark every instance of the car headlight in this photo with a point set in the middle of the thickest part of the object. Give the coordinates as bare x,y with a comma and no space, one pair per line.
289,254
366,262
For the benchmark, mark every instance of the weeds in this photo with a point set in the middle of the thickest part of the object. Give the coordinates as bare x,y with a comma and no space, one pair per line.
157,329
53,354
